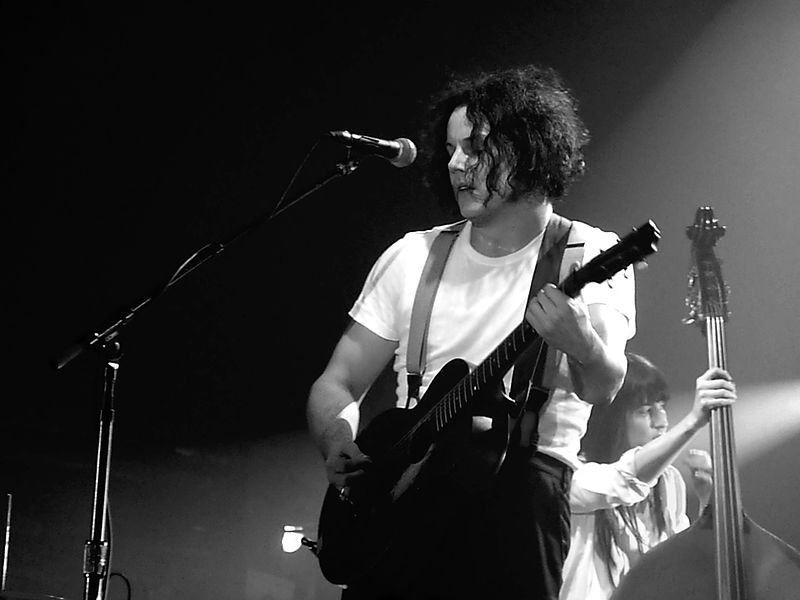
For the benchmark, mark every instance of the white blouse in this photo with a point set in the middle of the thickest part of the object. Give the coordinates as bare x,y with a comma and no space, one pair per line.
598,486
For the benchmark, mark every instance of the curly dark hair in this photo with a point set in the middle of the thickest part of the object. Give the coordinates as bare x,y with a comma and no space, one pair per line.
534,129
606,440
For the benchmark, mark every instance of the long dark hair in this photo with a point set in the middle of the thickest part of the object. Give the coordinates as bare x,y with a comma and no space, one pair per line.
606,440
534,129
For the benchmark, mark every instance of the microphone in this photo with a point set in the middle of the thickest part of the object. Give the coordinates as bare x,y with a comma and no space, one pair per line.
400,152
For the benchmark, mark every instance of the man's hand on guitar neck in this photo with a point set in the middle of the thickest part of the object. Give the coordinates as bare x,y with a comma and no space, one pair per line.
563,322
593,338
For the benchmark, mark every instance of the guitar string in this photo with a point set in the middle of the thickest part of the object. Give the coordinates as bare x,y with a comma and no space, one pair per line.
461,392
467,386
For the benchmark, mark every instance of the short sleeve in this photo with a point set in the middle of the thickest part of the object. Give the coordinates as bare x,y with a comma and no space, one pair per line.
374,307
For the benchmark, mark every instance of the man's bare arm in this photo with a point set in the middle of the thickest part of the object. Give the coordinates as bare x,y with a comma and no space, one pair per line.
359,357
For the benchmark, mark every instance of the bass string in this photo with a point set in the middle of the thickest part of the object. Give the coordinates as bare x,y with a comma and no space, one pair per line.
727,503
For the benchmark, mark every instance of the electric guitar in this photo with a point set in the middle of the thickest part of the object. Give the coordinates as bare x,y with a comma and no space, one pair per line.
416,452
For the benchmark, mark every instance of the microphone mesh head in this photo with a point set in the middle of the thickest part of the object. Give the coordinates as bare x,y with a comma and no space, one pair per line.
408,153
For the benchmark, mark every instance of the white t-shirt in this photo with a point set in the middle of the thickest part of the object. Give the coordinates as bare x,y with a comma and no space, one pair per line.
597,486
480,300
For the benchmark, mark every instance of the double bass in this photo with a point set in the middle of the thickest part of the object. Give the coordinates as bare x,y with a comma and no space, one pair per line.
724,555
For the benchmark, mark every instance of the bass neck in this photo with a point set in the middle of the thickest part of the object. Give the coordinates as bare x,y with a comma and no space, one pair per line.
727,502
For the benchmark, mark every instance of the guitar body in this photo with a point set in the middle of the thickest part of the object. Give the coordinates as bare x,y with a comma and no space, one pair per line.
384,511
682,567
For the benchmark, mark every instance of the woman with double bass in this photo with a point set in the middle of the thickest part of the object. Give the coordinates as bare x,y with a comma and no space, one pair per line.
627,497
724,555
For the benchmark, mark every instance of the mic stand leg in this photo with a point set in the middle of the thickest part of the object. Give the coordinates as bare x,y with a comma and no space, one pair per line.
98,548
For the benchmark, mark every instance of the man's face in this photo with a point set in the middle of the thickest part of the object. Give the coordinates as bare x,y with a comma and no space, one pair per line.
466,168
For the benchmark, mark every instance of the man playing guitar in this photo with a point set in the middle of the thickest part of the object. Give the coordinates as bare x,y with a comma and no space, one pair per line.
505,145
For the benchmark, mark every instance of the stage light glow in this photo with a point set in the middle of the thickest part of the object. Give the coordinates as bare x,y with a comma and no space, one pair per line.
765,416
292,538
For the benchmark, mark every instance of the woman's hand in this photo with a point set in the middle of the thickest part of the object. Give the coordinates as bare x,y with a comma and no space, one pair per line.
713,389
700,467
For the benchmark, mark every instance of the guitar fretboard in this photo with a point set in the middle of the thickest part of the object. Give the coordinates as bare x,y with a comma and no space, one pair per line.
488,372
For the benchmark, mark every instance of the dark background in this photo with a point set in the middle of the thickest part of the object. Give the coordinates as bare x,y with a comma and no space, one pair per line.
135,135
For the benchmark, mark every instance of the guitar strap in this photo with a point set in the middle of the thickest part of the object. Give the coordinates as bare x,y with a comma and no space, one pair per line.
529,371
423,303
528,382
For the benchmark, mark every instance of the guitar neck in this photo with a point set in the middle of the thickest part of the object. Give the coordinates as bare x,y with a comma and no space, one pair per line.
503,357
487,373
627,251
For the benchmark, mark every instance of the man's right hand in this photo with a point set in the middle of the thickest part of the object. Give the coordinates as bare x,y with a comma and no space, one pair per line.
345,464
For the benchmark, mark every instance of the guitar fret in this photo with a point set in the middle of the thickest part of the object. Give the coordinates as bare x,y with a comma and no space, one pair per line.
498,362
507,355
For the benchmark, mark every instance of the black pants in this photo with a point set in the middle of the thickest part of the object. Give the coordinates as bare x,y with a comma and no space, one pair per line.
510,542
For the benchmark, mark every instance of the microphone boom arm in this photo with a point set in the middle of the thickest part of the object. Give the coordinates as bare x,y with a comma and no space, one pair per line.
110,331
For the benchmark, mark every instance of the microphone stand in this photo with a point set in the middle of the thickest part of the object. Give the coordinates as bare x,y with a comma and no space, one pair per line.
97,549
